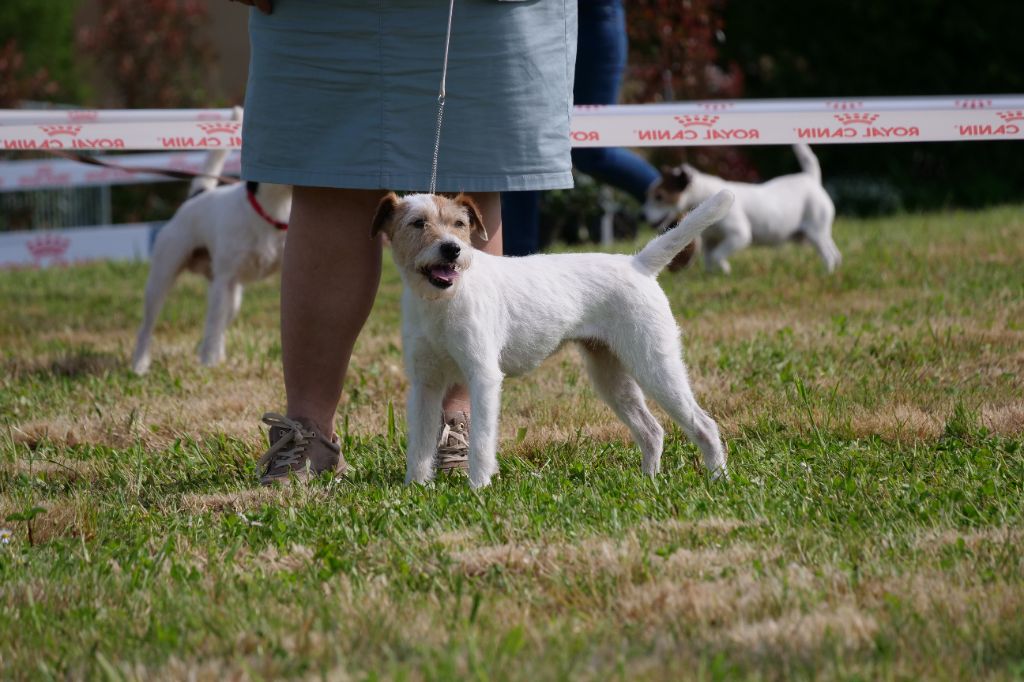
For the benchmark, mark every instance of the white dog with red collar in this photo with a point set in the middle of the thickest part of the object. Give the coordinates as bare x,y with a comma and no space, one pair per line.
232,235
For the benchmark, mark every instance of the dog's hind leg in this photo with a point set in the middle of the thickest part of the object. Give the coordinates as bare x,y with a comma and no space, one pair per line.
236,300
655,360
424,415
736,235
617,388
169,256
817,228
826,247
220,300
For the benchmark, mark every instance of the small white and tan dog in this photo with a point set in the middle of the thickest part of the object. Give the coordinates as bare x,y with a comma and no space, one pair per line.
786,208
232,235
473,318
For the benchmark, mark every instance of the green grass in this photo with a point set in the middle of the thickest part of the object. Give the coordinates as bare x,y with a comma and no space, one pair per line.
872,527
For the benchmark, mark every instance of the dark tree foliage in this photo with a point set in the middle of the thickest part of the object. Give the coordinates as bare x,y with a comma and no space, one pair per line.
37,60
154,53
153,50
862,48
18,82
674,55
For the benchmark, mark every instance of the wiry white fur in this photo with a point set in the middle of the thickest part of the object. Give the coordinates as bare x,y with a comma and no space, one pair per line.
217,234
780,210
504,316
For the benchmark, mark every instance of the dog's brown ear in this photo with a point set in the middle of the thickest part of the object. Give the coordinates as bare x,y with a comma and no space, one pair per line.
476,222
385,214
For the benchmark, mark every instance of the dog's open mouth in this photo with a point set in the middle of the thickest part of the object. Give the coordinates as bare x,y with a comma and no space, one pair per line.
441,276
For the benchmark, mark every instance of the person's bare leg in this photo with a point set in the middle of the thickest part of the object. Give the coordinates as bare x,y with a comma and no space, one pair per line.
489,204
329,278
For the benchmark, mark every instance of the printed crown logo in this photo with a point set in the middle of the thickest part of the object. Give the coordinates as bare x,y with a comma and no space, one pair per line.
697,120
70,130
230,127
83,115
844,105
849,119
45,174
1009,116
48,246
973,103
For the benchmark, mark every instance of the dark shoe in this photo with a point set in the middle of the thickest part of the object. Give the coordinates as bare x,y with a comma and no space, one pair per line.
298,450
453,442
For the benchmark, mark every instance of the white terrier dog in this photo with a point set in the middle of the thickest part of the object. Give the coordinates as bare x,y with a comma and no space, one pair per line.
786,208
473,318
232,235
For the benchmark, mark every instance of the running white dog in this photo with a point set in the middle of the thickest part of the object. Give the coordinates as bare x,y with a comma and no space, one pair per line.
470,317
786,208
232,235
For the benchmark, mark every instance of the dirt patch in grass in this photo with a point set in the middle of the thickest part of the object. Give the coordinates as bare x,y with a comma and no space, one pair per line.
898,423
72,363
932,540
612,557
53,468
802,635
60,519
242,501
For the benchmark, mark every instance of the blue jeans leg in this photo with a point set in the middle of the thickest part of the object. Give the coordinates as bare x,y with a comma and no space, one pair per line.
520,222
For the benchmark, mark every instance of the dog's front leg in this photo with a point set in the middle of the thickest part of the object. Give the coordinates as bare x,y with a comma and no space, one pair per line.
218,314
485,401
424,415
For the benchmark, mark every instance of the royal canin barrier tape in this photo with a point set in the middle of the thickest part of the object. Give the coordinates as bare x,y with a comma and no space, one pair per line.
47,248
737,122
10,117
22,176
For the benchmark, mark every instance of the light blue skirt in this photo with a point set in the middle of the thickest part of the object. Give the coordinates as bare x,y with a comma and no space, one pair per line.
343,93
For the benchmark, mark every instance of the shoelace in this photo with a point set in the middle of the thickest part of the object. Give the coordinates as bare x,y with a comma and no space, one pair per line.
452,445
296,436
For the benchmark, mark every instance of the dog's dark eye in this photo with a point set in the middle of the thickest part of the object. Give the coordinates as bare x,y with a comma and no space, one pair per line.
460,223
419,224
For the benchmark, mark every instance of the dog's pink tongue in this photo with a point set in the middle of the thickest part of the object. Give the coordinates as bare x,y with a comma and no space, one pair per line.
445,273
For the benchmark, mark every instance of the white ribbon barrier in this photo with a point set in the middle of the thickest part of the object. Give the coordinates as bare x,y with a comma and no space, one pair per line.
736,122
10,117
21,176
768,122
46,248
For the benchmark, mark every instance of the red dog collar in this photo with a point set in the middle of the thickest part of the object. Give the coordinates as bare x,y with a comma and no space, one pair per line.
254,202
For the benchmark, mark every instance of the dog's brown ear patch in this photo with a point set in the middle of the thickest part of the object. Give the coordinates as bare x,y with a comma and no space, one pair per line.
676,179
475,220
382,220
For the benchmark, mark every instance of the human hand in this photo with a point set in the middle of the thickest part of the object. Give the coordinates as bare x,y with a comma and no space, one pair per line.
262,5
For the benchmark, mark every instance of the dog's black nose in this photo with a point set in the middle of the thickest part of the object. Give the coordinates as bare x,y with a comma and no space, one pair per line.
450,250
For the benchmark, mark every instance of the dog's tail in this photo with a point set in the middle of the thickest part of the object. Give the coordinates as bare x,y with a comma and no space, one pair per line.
807,160
660,251
215,160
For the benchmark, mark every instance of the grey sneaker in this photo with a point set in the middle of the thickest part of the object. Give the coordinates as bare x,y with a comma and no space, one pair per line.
297,449
453,442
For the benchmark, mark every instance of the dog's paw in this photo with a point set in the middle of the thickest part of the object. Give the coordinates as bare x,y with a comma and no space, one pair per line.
420,475
141,365
479,481
721,474
211,359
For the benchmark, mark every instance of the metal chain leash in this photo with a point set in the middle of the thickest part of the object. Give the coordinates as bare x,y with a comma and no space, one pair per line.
440,99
